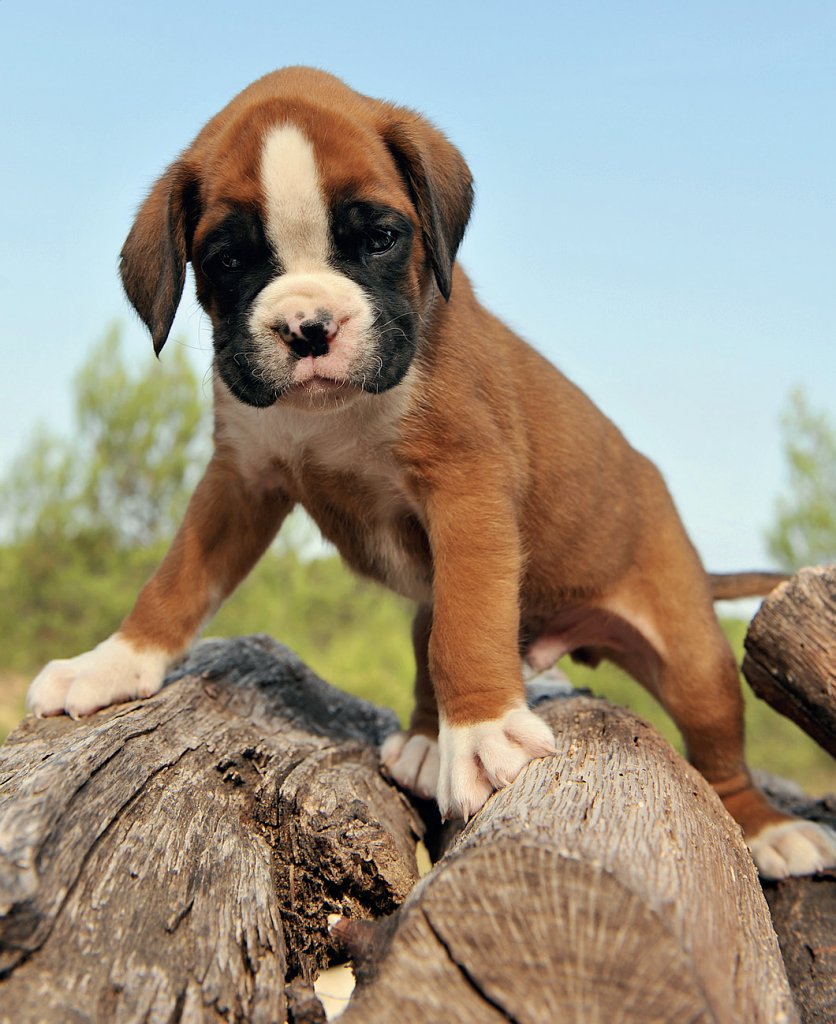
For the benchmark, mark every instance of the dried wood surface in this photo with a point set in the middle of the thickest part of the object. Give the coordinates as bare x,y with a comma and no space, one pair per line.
606,885
804,914
175,859
791,663
790,657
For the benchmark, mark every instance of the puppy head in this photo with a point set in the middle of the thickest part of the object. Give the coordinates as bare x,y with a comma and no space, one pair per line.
319,224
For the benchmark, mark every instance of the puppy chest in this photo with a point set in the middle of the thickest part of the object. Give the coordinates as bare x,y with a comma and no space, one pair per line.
372,523
342,469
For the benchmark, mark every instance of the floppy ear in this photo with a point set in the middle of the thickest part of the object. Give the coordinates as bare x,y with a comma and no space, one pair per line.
439,182
153,259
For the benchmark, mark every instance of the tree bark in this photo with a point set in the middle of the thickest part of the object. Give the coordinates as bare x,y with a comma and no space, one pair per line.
606,884
804,914
790,657
790,662
175,859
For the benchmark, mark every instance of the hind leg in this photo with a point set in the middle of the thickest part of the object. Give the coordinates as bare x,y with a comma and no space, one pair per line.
703,697
684,659
412,756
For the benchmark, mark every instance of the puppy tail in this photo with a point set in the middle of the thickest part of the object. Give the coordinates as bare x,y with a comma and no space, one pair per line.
727,586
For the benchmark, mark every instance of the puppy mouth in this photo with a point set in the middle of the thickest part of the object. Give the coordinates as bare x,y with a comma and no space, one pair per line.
324,384
310,376
312,385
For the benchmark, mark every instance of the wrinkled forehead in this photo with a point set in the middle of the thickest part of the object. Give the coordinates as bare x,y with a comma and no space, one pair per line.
294,167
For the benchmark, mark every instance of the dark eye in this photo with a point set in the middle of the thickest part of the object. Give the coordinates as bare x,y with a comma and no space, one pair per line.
229,262
380,240
221,262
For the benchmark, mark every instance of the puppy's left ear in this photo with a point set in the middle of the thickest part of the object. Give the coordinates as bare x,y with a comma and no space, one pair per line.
439,182
154,256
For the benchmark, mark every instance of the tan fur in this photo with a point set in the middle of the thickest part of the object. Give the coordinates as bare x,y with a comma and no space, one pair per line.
486,486
227,527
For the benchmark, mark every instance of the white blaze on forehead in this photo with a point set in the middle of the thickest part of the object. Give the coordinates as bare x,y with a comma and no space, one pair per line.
296,215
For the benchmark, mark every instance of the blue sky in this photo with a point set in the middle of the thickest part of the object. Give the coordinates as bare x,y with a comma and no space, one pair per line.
655,197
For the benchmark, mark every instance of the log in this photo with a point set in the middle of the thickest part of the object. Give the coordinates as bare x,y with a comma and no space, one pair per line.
804,913
606,884
790,659
177,858
790,662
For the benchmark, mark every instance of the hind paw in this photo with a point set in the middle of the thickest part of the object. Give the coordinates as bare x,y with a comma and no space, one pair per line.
795,847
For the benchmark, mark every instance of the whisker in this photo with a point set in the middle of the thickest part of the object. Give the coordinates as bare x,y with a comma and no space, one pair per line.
409,312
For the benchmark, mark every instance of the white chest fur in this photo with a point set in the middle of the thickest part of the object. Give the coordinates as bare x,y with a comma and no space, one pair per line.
370,515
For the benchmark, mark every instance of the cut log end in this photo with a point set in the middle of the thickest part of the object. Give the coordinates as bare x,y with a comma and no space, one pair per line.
520,932
790,659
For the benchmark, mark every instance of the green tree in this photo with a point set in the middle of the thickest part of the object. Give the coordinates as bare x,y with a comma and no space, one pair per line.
138,443
804,532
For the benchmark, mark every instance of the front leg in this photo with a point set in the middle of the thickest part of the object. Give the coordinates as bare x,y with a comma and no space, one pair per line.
486,732
227,527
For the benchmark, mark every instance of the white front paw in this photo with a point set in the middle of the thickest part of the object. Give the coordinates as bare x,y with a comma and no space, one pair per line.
111,673
412,761
478,759
795,847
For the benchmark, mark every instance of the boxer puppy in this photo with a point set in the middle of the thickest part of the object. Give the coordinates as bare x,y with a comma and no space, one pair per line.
356,374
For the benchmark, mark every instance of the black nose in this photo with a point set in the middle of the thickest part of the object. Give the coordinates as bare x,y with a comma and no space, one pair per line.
310,338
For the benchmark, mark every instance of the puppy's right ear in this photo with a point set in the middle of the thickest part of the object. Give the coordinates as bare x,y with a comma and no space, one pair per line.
154,256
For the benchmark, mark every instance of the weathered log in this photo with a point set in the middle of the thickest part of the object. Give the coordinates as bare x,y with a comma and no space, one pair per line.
804,914
606,884
175,859
790,659
790,662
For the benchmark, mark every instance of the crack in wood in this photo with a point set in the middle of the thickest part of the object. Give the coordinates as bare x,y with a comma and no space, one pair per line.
465,972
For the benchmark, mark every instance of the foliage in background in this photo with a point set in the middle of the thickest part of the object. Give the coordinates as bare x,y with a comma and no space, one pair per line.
139,441
805,528
90,518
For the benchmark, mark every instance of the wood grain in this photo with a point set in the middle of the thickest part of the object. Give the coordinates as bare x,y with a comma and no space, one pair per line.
177,860
790,659
608,884
174,859
804,913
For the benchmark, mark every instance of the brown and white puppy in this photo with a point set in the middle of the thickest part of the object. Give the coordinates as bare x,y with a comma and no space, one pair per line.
357,375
